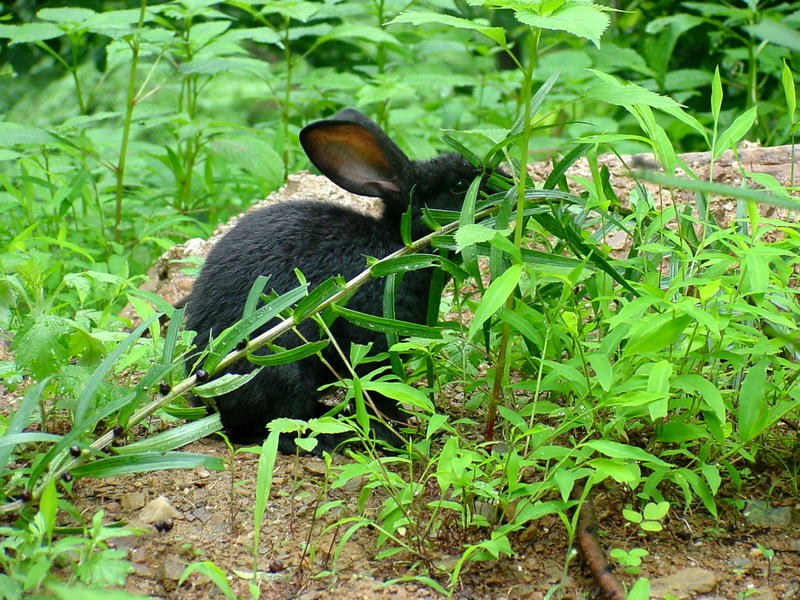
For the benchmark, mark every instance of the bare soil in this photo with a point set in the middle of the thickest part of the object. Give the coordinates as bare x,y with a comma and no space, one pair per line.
299,555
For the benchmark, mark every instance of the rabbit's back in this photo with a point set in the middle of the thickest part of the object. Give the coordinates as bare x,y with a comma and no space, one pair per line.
321,240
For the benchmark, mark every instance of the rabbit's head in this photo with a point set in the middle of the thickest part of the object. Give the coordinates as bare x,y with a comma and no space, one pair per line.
353,152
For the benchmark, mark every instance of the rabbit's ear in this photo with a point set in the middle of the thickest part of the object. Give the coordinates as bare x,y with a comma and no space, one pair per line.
356,154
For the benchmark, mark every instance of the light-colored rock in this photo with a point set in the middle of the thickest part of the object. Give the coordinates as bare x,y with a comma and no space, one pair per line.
686,583
159,509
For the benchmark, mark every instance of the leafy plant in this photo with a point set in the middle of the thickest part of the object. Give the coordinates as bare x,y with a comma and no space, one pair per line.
36,559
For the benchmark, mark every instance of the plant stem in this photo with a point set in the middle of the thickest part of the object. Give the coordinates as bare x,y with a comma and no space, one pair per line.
502,369
130,102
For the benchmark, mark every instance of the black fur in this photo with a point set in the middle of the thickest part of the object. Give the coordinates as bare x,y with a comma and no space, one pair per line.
322,239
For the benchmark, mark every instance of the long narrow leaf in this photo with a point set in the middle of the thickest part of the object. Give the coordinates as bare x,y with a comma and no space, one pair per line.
147,461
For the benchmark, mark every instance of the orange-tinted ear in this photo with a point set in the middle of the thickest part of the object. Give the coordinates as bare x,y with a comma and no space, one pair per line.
355,154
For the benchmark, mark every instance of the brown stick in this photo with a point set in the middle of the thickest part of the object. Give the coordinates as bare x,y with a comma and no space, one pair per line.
590,546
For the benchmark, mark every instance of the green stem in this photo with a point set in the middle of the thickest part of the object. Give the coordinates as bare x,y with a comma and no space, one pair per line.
501,372
130,102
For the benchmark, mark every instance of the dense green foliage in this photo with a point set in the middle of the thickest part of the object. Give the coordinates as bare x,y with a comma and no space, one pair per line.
130,128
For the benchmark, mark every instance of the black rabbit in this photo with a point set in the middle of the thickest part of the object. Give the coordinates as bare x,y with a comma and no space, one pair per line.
323,239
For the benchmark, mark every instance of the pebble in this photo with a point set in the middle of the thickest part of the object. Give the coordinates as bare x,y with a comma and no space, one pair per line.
159,509
133,501
686,583
761,514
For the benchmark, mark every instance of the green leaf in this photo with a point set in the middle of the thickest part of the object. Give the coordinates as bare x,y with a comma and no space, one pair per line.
147,461
474,233
775,32
716,96
402,392
602,369
415,17
718,189
31,32
582,20
384,325
370,33
789,90
705,390
65,15
617,450
753,414
12,133
617,470
495,296
655,340
262,35
288,356
252,154
214,573
733,135
97,375
232,336
224,384
626,94
655,511
677,433
42,344
175,437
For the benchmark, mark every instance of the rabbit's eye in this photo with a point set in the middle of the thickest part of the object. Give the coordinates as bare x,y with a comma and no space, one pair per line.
460,187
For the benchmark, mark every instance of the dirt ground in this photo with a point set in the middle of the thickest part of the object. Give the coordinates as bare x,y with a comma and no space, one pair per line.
216,524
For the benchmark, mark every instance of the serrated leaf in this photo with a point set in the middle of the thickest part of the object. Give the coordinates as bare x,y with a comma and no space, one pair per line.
42,344
66,14
582,20
13,133
34,32
262,35
363,32
416,17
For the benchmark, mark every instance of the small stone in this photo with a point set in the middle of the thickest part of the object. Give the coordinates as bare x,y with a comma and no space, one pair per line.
133,501
762,593
761,514
315,466
686,583
741,562
169,572
138,555
159,509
